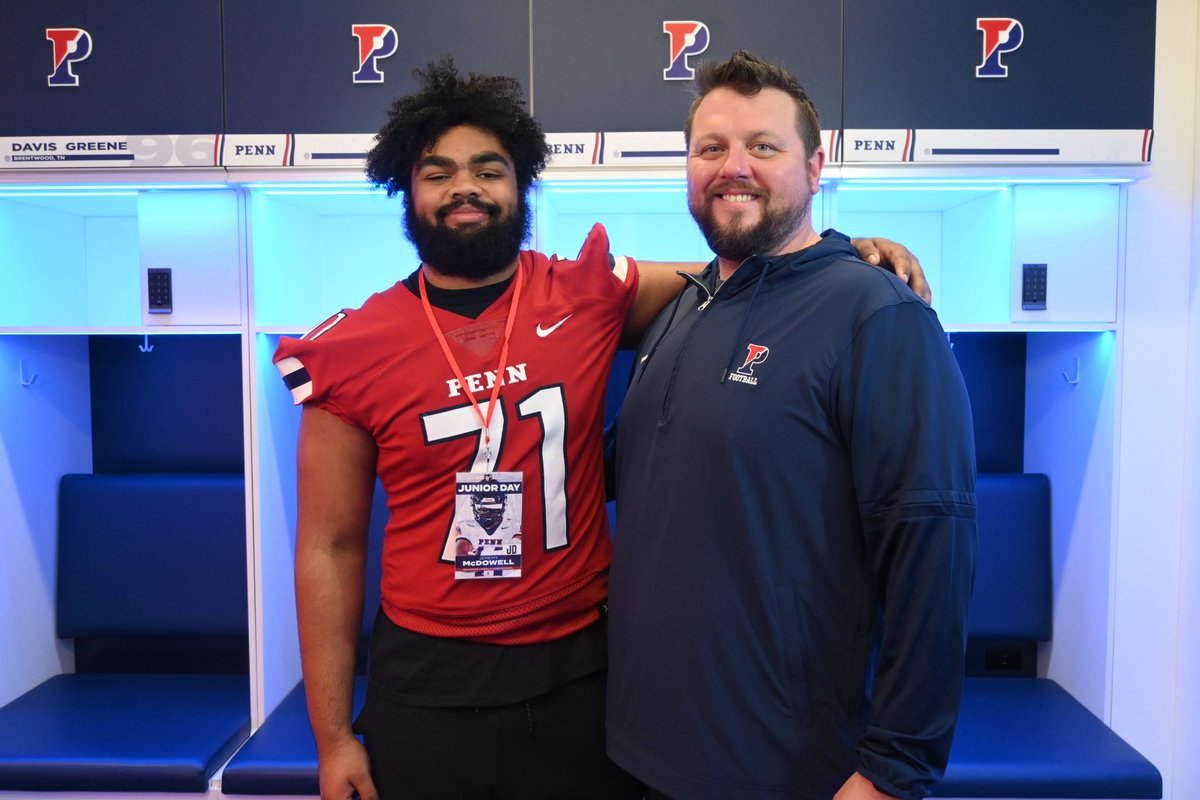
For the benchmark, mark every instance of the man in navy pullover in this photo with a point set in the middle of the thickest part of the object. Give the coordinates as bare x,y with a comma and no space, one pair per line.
790,621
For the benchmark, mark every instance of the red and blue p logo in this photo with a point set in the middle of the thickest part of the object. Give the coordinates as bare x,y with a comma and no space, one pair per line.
374,42
755,354
71,45
1000,35
688,38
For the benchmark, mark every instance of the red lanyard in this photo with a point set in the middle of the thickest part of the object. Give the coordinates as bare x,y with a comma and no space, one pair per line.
458,373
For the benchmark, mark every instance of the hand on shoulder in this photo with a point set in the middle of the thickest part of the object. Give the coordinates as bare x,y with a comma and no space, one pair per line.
896,258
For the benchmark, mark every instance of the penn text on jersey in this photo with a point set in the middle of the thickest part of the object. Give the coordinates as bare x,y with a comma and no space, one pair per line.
482,381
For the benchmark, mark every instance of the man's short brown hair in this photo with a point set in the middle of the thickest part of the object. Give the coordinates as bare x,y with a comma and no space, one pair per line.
747,74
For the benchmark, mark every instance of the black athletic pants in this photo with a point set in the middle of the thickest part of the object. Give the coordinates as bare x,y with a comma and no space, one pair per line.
551,748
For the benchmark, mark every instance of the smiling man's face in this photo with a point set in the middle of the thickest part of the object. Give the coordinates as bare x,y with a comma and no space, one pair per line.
750,181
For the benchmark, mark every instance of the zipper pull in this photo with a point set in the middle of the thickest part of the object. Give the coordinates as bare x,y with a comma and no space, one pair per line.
690,278
711,295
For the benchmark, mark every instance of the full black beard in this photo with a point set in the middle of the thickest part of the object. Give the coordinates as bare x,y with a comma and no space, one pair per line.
475,253
736,242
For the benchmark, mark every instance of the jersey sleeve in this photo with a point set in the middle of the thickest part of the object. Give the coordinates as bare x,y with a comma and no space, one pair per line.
310,365
595,255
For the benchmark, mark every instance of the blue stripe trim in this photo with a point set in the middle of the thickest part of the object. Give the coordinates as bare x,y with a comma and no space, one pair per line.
654,153
296,379
989,151
112,157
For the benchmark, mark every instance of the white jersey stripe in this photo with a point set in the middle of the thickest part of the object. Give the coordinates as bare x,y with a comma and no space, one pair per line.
621,268
289,367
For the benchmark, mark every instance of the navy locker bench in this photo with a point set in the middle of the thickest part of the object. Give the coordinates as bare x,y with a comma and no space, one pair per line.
1019,735
152,589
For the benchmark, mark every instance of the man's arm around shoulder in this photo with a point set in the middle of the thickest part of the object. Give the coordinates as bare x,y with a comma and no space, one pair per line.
336,478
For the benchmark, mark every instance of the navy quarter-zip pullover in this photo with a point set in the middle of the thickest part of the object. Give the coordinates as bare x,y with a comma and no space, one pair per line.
795,536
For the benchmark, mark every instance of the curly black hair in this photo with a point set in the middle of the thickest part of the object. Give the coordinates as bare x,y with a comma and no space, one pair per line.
490,102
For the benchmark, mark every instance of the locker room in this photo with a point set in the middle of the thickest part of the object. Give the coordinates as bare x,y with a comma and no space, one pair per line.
182,187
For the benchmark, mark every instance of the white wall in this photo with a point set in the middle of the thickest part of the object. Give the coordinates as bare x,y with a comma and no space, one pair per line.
1187,731
45,431
277,423
1069,436
1152,664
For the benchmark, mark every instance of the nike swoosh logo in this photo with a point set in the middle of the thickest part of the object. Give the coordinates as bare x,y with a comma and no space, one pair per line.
544,332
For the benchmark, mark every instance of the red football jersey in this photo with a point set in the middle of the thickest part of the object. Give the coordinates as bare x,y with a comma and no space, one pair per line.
380,367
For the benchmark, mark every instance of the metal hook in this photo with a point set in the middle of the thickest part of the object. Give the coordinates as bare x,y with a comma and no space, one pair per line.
1068,378
21,374
146,347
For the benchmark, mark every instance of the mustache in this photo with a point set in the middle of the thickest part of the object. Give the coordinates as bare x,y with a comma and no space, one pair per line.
491,209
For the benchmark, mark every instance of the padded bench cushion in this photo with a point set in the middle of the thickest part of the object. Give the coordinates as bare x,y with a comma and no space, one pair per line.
281,756
151,555
123,733
1012,595
151,580
1027,737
